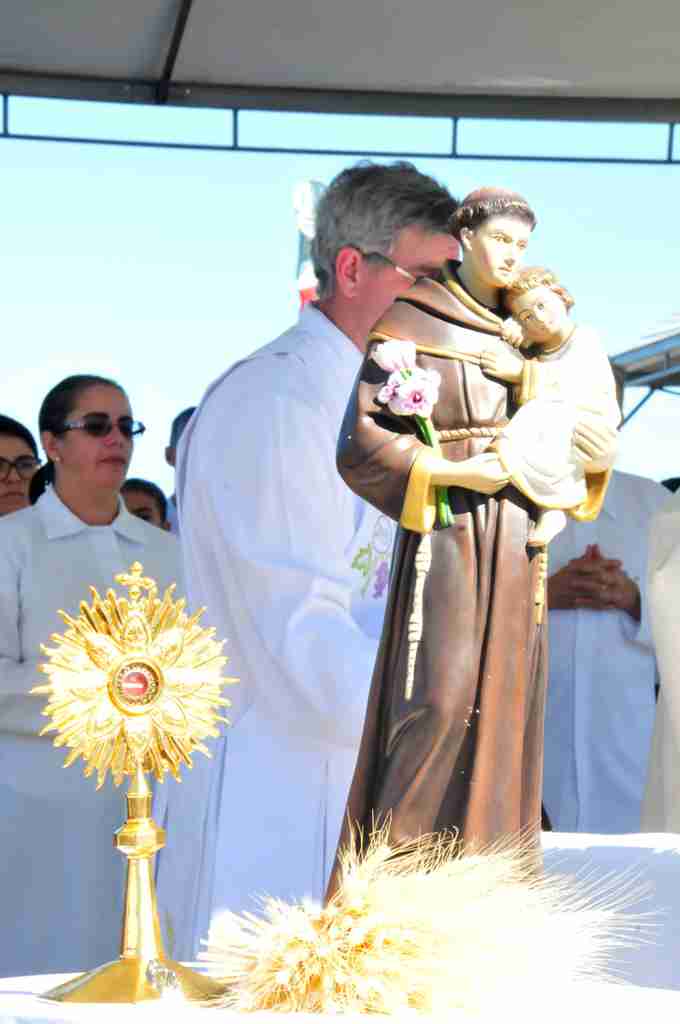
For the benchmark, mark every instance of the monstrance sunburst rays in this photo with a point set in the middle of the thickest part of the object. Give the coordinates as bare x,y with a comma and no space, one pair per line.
134,682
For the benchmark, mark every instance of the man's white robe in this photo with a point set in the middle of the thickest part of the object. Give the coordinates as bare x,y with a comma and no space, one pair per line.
292,568
601,685
661,810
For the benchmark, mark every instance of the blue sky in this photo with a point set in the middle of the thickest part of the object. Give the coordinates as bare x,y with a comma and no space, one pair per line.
160,267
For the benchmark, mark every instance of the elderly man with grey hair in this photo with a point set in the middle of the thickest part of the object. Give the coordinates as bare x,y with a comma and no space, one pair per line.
291,565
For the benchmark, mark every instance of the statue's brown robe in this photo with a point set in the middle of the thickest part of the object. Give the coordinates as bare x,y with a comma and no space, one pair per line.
465,752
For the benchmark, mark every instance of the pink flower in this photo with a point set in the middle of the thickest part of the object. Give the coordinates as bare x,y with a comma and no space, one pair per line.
417,394
411,391
390,388
395,355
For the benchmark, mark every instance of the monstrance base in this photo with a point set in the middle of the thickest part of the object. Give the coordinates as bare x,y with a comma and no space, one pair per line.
129,980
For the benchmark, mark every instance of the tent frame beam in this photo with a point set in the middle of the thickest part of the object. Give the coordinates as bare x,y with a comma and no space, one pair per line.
165,81
329,101
236,146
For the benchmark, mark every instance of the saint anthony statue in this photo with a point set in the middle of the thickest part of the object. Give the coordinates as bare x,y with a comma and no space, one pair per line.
453,736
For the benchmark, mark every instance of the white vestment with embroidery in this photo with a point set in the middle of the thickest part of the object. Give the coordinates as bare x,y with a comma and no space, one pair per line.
292,568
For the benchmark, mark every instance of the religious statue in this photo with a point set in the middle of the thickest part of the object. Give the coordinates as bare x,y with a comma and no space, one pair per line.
453,736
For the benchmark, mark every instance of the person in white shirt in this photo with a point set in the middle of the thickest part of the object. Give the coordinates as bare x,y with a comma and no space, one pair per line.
18,463
602,675
145,499
176,430
661,805
62,882
291,565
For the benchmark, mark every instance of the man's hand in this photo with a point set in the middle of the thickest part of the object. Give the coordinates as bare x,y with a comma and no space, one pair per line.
502,363
595,443
595,582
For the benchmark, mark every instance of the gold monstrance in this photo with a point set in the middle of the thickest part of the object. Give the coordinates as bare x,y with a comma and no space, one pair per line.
134,688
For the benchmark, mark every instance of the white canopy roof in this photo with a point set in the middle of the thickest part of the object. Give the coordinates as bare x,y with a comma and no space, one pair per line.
615,61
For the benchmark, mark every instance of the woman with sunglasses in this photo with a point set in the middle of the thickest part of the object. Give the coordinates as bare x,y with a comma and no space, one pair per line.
18,463
62,882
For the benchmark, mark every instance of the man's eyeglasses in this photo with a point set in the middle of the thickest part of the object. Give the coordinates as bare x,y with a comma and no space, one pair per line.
24,466
100,424
411,278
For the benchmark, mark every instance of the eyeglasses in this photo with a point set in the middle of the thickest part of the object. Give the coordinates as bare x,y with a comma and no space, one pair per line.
411,278
100,424
24,466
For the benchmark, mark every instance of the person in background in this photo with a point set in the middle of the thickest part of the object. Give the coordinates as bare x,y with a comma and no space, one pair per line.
176,430
292,567
61,884
18,463
146,500
601,701
661,804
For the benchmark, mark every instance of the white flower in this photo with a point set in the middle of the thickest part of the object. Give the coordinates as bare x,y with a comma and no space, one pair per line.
395,355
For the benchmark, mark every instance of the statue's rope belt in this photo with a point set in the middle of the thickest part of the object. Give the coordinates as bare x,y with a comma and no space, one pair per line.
466,433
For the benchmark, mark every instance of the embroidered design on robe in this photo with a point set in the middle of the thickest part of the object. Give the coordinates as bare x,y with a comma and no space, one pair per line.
373,559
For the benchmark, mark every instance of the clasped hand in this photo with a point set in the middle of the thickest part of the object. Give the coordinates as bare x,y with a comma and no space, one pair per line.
595,582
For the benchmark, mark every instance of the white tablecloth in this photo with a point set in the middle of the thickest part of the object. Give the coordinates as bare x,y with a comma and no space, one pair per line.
652,969
578,1005
644,859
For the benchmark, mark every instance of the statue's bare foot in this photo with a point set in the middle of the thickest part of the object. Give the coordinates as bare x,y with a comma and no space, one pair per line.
550,522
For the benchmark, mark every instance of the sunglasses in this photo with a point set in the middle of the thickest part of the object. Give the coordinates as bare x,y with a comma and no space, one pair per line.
24,466
100,424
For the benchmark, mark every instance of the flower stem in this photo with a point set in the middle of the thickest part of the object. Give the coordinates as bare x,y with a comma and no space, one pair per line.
444,514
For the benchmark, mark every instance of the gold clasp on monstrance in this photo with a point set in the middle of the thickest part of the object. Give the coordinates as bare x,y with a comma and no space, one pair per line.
135,687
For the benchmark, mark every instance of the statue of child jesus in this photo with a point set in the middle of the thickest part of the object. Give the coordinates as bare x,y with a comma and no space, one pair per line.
570,372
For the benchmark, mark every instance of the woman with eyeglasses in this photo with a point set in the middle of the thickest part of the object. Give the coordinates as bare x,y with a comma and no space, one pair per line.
61,882
18,463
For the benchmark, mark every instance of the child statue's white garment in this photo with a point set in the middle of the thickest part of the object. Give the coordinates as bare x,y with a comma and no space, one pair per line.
536,447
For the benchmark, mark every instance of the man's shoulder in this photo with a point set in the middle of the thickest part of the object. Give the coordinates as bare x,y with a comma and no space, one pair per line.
293,342
290,367
628,487
280,360
639,483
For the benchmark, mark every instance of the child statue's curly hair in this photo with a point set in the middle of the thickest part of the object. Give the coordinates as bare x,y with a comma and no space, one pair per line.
536,277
